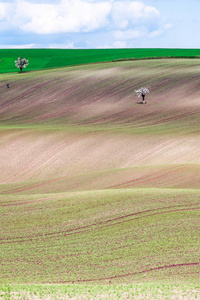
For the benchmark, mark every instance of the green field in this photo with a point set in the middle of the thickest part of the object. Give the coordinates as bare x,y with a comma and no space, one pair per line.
136,291
40,59
100,195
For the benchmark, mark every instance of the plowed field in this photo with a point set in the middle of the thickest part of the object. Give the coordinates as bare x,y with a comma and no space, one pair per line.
95,186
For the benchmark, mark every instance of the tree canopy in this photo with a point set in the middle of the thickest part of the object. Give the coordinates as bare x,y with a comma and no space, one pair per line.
21,63
142,91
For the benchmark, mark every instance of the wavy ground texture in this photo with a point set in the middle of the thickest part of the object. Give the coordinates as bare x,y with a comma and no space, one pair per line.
95,186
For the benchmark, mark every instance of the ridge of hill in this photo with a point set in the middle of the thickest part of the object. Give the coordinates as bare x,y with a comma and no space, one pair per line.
103,97
40,59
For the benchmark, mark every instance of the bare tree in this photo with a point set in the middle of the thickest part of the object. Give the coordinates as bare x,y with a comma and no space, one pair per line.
142,92
21,63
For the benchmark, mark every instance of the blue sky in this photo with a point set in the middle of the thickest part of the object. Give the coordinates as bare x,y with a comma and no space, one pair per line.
99,24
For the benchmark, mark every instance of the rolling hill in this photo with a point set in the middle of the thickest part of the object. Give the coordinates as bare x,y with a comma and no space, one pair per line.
96,187
40,59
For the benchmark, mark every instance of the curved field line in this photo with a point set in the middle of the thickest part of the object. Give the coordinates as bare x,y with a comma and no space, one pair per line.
75,86
50,115
156,149
56,151
37,161
150,215
20,173
35,88
114,86
104,223
162,148
148,177
160,176
132,273
23,203
24,94
23,189
176,117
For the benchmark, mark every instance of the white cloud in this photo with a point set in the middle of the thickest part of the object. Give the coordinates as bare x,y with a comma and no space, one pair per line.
116,44
26,46
112,22
168,26
67,16
155,33
76,15
6,14
3,8
69,45
128,34
120,44
133,12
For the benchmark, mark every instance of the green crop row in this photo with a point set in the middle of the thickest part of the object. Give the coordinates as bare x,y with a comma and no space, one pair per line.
97,236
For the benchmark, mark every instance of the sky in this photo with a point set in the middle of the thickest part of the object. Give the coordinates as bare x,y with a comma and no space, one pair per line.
93,24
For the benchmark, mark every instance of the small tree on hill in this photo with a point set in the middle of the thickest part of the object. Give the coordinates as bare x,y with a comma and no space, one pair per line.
142,92
21,63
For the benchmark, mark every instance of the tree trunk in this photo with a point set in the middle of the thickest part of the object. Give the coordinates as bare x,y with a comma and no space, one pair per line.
21,69
143,99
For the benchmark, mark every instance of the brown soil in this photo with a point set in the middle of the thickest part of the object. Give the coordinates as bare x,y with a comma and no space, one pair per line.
152,145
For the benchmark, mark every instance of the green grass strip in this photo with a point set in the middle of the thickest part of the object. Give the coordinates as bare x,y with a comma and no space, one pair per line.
55,58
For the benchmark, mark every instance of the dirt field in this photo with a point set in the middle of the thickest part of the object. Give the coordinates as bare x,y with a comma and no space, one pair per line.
80,136
67,126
